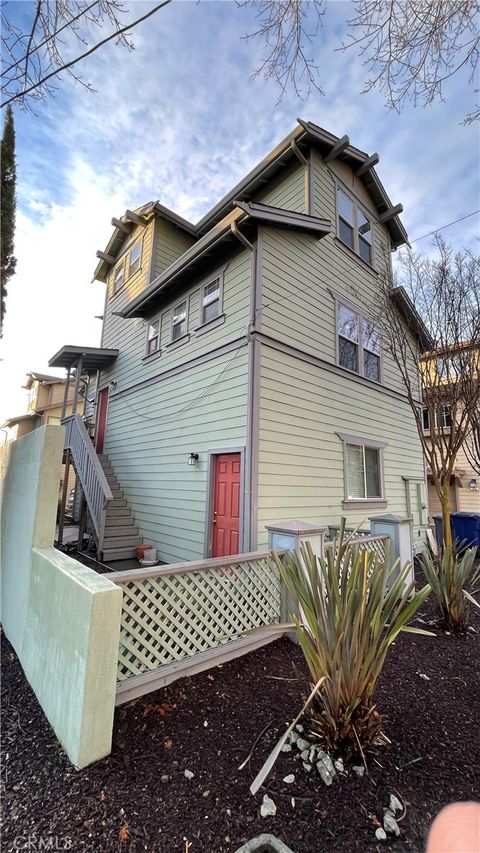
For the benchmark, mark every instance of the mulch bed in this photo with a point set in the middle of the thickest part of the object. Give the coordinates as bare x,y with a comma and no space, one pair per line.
207,724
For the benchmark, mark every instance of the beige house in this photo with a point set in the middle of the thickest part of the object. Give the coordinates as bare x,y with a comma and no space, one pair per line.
240,378
465,483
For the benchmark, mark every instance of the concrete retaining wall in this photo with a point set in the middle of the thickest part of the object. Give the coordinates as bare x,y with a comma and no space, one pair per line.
62,618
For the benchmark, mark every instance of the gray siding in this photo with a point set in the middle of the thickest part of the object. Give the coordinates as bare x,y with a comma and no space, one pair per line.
287,191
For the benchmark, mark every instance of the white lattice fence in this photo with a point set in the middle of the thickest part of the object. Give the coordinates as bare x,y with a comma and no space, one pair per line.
174,612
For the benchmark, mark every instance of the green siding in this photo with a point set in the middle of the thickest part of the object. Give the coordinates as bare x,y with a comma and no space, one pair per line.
149,436
169,244
301,457
287,191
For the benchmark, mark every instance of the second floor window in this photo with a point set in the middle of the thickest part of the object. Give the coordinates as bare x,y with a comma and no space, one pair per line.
179,322
153,336
135,258
118,277
211,300
358,343
354,228
443,418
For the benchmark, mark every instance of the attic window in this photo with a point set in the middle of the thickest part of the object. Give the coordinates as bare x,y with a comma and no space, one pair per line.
354,228
135,258
118,277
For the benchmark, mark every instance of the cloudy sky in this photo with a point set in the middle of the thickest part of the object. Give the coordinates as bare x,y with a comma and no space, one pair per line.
182,120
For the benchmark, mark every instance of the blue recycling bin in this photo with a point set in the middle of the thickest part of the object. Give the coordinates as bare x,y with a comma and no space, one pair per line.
466,528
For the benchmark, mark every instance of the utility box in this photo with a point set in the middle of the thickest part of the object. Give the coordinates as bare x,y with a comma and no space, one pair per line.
399,529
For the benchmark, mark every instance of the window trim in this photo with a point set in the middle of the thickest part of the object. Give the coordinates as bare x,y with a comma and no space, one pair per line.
443,427
116,267
362,315
185,335
357,205
138,242
219,274
155,319
372,444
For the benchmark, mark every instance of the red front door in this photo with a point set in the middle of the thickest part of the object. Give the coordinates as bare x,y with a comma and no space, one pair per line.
101,420
226,505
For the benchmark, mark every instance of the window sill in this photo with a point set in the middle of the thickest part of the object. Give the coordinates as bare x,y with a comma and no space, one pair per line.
178,342
152,356
366,503
352,254
210,324
360,375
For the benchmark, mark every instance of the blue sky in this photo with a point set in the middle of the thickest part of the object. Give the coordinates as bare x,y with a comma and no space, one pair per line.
181,120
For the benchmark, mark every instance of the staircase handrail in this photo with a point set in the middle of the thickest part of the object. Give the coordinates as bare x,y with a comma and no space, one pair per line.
89,471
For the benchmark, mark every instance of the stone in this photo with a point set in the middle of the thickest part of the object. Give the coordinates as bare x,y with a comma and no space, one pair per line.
307,766
359,769
311,754
289,779
302,744
164,779
268,807
390,824
188,774
380,834
422,675
305,755
299,728
326,769
286,748
395,804
339,767
293,737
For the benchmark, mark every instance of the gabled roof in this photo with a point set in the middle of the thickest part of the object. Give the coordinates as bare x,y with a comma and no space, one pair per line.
145,212
41,377
12,421
225,230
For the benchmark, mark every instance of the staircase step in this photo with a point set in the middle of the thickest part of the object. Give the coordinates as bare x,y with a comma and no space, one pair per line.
117,493
121,541
120,515
118,554
121,530
117,502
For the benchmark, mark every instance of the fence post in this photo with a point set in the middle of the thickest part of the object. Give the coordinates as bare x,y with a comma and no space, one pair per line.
399,529
291,535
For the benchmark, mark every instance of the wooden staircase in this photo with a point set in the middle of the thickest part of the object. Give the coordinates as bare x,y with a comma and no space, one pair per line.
120,534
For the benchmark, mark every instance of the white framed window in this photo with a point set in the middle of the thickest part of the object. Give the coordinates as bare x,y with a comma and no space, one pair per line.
442,418
211,300
134,258
118,278
179,320
354,227
363,470
358,343
153,336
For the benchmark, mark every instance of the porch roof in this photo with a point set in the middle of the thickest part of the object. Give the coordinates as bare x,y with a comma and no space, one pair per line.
93,358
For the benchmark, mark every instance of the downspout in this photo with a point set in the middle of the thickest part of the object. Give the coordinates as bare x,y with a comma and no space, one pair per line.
250,514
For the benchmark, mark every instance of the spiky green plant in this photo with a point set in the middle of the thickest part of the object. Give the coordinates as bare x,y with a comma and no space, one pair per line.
348,608
453,578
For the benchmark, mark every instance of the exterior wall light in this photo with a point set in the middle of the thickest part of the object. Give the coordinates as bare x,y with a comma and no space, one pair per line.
473,485
193,459
113,385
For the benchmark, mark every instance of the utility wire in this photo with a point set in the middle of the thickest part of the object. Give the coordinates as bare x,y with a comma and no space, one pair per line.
442,227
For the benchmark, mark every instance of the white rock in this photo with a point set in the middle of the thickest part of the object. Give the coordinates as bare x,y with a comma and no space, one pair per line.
293,802
339,765
422,675
293,737
380,834
305,755
286,748
299,728
390,824
188,774
311,755
395,804
302,744
359,769
326,769
307,766
205,724
289,779
268,807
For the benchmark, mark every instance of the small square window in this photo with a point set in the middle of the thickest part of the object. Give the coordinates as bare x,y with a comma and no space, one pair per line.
211,301
135,258
363,471
179,322
153,336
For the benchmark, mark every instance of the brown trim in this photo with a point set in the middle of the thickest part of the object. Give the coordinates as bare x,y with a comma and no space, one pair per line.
368,503
181,368
329,366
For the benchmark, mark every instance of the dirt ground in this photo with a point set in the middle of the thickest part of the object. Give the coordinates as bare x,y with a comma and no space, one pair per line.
139,798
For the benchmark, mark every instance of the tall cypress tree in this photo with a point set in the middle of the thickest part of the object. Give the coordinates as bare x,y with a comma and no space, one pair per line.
8,205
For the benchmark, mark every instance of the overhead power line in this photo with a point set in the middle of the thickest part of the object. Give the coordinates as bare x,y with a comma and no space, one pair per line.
467,216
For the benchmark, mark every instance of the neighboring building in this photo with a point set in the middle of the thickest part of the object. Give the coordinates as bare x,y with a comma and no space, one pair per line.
240,378
45,403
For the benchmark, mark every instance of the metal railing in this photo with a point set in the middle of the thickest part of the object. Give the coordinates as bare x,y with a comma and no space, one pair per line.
89,471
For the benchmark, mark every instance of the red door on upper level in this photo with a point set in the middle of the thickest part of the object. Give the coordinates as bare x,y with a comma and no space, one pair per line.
101,420
226,505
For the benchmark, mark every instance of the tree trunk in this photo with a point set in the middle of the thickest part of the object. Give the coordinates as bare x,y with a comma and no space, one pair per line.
445,499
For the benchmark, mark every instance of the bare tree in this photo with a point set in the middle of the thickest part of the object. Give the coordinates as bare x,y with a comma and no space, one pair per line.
444,293
59,36
472,445
410,47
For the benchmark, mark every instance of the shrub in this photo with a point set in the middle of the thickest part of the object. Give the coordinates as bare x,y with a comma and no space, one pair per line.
347,608
452,578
